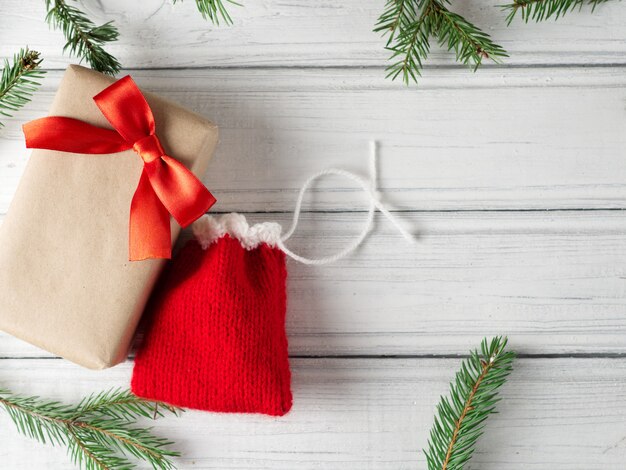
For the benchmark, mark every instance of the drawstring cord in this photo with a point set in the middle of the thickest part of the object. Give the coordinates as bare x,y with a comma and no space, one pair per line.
369,188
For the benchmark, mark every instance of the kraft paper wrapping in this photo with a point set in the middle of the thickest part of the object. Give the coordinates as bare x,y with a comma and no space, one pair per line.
66,284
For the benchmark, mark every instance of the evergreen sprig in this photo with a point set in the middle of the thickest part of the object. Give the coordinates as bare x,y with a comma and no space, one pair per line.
408,33
100,432
410,25
213,10
19,80
84,38
473,396
540,10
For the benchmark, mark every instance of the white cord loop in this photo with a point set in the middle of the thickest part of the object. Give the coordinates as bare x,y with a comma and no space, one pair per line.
370,189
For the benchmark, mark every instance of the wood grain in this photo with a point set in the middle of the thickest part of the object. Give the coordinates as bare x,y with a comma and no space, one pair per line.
155,33
544,138
512,177
554,282
556,414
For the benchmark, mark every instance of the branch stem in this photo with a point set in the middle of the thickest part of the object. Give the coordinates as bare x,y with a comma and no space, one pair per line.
466,409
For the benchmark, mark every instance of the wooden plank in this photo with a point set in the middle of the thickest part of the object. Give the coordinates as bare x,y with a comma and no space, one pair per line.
557,414
554,282
530,138
155,33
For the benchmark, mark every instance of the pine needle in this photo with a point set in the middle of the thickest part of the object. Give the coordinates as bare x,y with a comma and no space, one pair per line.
410,25
19,81
473,396
540,10
84,38
213,10
100,432
470,44
409,32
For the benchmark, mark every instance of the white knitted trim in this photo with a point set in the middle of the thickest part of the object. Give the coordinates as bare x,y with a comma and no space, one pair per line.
208,229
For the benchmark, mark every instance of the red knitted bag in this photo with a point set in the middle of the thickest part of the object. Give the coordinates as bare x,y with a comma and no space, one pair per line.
216,323
215,337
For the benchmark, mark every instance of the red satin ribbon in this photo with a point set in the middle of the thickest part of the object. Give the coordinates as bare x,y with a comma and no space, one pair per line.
165,186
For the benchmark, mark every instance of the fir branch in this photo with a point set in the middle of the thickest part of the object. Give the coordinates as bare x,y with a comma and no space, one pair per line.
410,24
100,432
213,10
470,44
84,38
19,80
396,13
540,10
122,404
409,32
473,396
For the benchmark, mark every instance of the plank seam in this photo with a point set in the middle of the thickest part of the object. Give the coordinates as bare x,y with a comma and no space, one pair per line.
537,356
539,65
422,211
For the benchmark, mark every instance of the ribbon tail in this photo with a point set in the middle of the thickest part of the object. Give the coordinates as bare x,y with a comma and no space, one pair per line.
184,195
150,235
71,135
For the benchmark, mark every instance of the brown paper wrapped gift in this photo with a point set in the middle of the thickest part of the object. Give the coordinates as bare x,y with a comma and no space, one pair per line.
66,284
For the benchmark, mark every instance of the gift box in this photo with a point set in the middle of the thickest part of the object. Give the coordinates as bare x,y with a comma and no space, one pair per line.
66,282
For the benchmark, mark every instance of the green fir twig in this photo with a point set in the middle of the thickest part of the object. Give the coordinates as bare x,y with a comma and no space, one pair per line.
473,396
409,26
408,33
540,10
84,38
19,81
100,432
470,44
213,10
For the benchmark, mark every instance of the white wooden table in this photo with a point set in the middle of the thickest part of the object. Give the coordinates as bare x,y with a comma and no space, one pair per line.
513,177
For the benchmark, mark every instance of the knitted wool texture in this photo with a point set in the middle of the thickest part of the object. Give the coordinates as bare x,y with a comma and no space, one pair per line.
215,337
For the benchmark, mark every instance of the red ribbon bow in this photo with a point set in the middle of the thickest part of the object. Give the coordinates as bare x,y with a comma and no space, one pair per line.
165,187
